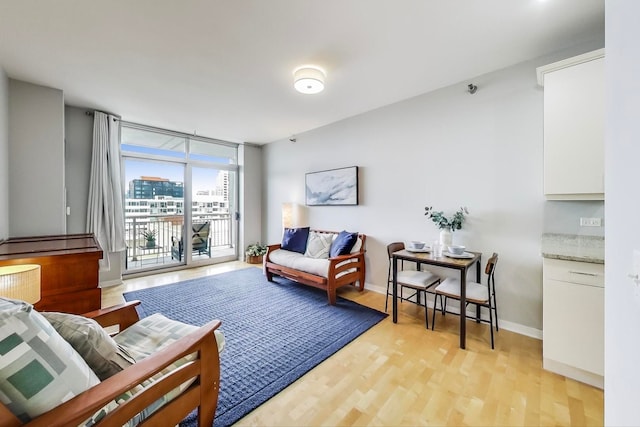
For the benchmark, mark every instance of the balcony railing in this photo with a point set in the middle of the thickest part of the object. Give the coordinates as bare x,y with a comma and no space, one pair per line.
166,228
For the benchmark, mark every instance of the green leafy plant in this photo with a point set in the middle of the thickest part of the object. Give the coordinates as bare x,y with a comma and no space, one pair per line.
256,249
451,223
149,235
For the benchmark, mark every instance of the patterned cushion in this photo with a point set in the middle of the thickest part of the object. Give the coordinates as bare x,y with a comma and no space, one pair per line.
318,245
152,334
39,370
92,342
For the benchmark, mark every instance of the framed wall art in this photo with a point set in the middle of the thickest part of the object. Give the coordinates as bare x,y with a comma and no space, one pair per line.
332,187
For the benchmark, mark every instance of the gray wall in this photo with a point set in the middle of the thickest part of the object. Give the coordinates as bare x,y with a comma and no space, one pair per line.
36,169
250,162
78,148
443,149
4,155
622,151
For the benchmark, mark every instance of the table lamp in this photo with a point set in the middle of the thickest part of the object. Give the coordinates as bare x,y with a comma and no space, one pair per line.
20,282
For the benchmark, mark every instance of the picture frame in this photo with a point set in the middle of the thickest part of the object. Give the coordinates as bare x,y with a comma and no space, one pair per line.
333,187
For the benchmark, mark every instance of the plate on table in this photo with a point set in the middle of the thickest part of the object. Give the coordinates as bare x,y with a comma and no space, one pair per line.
464,255
424,250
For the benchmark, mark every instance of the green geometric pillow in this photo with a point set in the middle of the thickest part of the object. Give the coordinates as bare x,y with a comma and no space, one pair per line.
39,370
103,355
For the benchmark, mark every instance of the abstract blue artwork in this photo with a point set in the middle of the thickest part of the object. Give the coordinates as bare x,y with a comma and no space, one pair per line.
332,187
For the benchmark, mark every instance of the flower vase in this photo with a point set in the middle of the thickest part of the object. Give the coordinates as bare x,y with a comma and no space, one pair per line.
446,238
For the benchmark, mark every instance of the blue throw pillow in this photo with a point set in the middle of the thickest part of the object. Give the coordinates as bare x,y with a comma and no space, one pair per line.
343,243
295,239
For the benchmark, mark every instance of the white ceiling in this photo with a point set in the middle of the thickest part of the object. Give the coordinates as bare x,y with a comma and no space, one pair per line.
223,68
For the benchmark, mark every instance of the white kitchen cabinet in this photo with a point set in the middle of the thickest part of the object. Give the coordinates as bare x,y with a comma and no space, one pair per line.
573,320
574,127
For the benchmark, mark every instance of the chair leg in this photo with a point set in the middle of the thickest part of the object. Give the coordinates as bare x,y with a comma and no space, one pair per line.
495,309
433,317
491,323
386,300
426,311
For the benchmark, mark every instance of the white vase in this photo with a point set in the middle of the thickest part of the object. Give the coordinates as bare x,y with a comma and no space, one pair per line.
446,238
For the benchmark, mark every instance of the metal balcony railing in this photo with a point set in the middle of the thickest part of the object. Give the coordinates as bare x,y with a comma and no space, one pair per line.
166,228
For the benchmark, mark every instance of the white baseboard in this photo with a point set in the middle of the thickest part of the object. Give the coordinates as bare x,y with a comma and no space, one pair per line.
573,372
503,324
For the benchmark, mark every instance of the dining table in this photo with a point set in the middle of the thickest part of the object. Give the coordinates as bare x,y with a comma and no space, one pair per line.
463,265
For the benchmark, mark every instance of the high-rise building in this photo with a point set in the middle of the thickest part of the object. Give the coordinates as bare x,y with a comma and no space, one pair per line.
148,187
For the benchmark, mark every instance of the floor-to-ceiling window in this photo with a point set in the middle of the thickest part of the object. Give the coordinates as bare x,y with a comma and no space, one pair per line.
180,198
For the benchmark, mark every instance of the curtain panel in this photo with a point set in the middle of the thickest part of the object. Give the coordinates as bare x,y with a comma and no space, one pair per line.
105,215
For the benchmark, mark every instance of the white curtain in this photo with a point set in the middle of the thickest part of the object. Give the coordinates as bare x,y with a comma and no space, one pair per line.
105,216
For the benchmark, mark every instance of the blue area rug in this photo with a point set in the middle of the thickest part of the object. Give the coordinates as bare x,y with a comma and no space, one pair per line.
275,332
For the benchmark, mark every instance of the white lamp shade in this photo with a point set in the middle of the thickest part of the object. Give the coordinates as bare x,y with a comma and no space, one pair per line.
293,215
309,79
20,282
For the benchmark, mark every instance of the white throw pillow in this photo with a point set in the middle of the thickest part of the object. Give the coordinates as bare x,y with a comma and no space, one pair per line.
318,245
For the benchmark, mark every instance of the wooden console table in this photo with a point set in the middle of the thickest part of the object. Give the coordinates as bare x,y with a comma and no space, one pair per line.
69,269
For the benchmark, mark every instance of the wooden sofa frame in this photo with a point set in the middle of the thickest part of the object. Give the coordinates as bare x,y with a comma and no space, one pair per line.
202,394
337,265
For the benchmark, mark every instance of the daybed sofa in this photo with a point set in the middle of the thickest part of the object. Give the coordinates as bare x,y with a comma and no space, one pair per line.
318,258
44,381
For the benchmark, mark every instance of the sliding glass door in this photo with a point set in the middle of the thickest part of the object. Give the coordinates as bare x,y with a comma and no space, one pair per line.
180,199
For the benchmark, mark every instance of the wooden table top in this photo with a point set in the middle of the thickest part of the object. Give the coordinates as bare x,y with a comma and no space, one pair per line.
444,261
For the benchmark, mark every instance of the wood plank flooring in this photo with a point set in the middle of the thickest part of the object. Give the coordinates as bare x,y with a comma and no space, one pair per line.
404,375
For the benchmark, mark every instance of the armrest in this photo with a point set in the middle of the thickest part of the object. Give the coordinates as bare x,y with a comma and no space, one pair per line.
340,263
123,315
207,367
7,419
338,259
271,248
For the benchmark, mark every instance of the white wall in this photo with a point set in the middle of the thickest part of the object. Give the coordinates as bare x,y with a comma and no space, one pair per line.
622,175
36,169
4,155
443,149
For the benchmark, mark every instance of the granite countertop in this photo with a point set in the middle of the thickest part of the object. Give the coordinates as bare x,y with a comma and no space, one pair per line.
573,247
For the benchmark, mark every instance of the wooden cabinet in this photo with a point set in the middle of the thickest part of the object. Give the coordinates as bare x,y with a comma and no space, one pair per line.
574,127
69,269
573,320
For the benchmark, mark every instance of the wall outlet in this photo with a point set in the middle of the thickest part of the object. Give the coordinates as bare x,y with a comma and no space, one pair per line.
591,222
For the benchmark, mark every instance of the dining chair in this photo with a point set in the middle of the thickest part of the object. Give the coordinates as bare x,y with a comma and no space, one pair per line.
418,280
478,294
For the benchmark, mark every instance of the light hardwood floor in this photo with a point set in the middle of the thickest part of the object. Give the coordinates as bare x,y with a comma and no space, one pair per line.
404,375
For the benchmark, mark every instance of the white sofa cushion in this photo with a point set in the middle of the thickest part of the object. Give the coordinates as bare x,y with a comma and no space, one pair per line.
297,261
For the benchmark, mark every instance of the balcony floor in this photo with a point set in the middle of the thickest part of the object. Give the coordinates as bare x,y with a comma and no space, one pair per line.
154,259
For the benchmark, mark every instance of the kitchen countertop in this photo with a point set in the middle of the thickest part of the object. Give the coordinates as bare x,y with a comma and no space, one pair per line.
573,247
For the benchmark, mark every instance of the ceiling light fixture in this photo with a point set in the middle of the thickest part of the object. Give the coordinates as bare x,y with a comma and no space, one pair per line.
309,79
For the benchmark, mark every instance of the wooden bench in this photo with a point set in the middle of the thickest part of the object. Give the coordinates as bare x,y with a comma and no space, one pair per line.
342,270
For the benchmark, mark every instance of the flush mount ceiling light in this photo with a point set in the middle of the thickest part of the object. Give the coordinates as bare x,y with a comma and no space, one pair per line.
308,79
